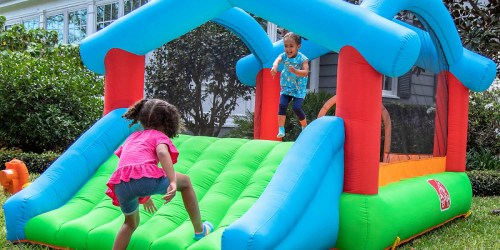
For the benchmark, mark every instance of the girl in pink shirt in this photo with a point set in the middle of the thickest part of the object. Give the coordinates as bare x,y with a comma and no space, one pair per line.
138,175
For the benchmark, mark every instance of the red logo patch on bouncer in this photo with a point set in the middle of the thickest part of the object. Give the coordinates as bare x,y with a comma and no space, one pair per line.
444,196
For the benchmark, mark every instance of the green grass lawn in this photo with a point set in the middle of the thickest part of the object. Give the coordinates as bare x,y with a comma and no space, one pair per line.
479,231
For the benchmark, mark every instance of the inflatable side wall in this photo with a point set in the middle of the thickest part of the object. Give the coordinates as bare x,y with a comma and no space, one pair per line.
302,199
67,174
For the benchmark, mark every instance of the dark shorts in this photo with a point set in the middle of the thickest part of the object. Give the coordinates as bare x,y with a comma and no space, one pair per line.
296,106
128,193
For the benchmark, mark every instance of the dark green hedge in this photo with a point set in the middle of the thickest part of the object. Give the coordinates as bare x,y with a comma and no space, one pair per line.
485,182
36,163
482,159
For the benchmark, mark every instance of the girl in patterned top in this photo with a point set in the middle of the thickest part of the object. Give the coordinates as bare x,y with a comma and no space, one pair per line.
293,80
138,175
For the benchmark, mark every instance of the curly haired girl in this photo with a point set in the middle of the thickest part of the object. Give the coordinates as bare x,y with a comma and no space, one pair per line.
138,176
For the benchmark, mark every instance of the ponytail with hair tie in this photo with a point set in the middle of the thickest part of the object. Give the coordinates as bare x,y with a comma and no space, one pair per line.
134,111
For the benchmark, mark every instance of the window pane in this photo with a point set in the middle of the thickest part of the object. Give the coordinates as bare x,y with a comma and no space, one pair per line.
31,24
131,5
56,23
77,25
106,14
114,11
387,83
100,14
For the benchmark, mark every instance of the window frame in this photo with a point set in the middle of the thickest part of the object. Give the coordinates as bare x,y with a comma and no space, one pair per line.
119,10
21,20
91,13
31,18
67,29
393,93
65,10
57,13
131,7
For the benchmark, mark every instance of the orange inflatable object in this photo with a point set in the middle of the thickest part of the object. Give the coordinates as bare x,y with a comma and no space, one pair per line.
15,176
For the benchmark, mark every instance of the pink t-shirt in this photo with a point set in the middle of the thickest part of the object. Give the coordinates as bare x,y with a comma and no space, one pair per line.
138,159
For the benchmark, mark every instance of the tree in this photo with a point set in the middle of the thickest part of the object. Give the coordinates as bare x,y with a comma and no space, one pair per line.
478,24
47,97
196,69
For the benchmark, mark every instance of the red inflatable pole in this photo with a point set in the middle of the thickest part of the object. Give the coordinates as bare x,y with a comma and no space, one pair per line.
441,118
267,96
359,104
124,79
458,114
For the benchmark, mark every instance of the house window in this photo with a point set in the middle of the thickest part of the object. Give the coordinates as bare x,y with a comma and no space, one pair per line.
131,5
56,23
31,24
106,14
77,25
398,87
390,87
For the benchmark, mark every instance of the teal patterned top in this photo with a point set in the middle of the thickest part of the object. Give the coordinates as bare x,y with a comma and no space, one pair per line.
292,84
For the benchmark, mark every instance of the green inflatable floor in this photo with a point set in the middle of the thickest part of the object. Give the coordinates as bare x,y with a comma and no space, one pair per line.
228,176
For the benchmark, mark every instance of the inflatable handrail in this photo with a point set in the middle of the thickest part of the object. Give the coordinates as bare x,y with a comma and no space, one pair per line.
67,174
304,193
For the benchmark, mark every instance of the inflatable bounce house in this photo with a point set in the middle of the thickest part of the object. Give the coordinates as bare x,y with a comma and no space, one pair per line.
326,190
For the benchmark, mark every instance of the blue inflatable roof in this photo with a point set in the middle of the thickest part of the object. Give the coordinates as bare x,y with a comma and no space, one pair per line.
391,47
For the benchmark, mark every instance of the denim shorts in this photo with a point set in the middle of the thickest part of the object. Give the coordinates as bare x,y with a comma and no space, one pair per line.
128,193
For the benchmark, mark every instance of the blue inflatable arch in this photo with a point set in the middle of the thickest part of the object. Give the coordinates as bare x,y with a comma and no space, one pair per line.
390,48
473,70
248,30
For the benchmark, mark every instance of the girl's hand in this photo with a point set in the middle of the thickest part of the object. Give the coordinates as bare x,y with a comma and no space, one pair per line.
274,70
171,190
150,206
292,69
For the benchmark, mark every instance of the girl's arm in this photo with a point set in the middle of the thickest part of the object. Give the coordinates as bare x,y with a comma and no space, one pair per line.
168,167
301,72
274,69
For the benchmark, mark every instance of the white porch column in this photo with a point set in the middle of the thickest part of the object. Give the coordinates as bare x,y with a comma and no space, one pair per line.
314,76
91,12
272,31
42,19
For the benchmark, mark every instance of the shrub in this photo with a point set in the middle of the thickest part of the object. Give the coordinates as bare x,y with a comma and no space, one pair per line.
482,159
47,97
36,163
244,127
312,105
484,121
485,182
